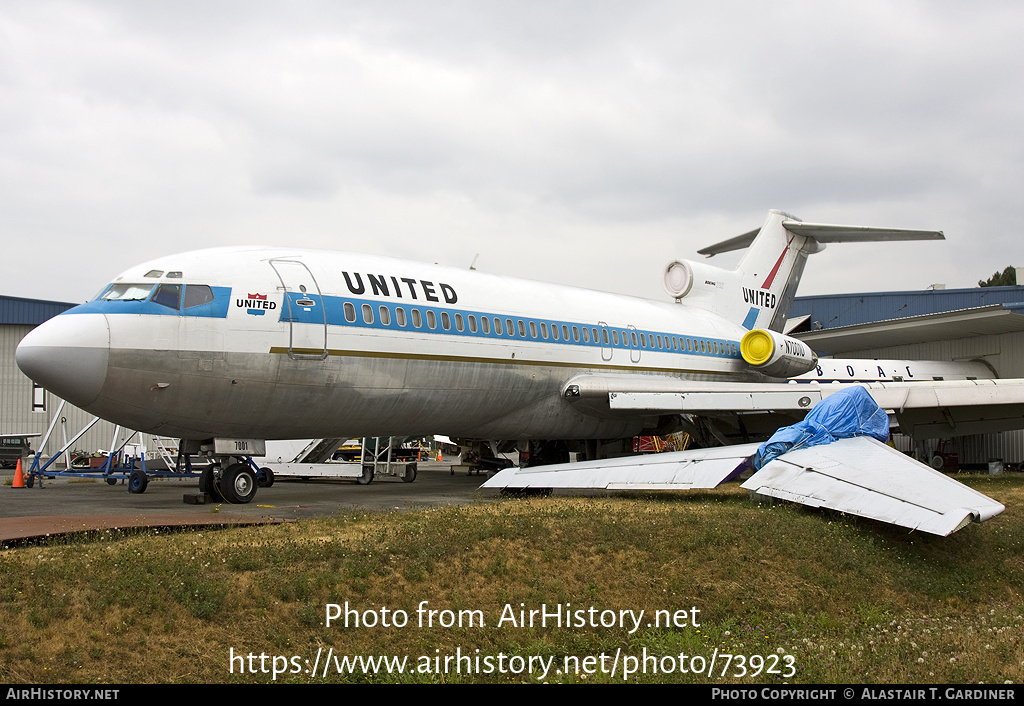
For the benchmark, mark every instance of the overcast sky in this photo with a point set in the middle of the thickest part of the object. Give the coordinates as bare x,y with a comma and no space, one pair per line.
586,143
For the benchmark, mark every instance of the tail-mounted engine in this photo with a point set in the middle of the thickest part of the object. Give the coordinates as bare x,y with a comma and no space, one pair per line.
776,354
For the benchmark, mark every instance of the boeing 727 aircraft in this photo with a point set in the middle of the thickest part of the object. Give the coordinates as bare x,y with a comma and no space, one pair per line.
228,347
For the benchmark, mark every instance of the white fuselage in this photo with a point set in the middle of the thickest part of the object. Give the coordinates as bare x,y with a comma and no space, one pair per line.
291,343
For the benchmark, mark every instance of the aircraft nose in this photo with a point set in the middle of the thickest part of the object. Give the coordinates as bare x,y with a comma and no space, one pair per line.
68,356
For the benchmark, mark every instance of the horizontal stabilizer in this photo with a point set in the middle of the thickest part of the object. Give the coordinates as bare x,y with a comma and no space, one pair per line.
737,243
827,233
864,477
675,470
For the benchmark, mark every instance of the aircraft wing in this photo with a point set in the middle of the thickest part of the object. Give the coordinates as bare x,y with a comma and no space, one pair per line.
930,410
924,409
862,476
858,476
697,468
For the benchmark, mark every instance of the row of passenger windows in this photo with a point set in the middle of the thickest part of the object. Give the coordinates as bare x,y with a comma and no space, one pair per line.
535,330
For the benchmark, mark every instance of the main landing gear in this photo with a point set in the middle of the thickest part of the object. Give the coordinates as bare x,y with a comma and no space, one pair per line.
236,484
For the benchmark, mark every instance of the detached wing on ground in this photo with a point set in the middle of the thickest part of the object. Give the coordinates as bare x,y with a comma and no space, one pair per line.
674,470
864,477
859,476
814,462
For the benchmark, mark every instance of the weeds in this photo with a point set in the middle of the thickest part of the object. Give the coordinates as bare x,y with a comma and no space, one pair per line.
850,600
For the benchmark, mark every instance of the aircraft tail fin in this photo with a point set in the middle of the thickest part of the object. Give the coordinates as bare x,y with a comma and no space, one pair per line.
760,291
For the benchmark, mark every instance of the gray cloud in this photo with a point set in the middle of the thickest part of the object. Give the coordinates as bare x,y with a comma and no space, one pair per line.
613,137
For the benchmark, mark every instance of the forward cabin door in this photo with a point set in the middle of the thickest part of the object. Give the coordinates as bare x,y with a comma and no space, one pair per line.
303,309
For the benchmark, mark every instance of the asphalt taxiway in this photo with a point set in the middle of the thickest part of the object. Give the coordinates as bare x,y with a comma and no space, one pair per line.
65,505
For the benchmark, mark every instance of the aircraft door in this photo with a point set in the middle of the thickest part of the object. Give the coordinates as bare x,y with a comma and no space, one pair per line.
304,310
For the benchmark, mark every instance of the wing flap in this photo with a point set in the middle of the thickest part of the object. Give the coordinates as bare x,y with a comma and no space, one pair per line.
864,477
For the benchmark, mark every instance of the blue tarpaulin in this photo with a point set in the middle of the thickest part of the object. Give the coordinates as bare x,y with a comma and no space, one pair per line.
841,415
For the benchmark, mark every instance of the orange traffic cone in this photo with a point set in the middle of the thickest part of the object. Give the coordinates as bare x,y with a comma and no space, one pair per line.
19,479
439,459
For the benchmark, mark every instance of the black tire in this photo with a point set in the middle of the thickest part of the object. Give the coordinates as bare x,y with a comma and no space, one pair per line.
137,482
367,476
265,478
238,484
208,484
111,481
410,473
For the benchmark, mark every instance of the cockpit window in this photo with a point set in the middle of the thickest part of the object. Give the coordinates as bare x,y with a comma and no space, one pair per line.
168,295
127,292
154,273
196,294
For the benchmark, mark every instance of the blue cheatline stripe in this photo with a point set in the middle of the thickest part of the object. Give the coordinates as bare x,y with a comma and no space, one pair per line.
748,323
645,340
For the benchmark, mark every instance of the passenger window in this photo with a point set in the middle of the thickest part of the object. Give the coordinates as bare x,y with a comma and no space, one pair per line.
472,324
385,315
417,321
458,323
400,316
367,314
522,329
197,295
350,312
575,334
508,327
544,331
586,335
497,326
565,332
533,329
632,337
485,324
431,319
554,331
615,337
446,321
168,295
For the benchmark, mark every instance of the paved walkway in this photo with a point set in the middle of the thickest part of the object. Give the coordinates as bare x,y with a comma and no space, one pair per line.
66,505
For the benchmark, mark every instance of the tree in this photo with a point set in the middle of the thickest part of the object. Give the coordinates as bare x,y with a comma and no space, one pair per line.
1007,277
